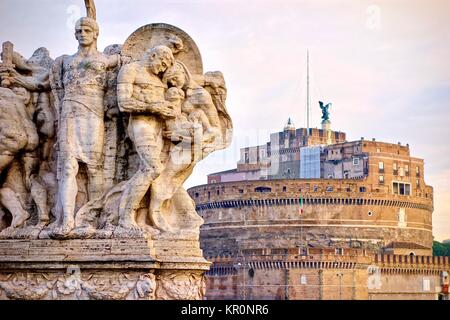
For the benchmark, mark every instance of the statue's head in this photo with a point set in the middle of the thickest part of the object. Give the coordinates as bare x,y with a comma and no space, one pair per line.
86,31
174,43
159,59
41,57
177,76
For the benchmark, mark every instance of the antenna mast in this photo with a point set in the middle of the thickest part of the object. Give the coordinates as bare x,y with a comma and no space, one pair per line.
308,106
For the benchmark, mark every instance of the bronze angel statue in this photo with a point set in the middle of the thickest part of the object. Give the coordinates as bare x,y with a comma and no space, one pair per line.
325,112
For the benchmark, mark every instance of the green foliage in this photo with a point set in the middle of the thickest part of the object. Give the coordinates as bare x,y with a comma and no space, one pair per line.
441,249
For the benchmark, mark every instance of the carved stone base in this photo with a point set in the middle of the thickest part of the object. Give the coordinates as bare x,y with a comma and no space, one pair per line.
132,269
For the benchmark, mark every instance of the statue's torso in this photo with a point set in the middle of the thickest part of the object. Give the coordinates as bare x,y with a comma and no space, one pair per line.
85,77
82,112
12,133
147,87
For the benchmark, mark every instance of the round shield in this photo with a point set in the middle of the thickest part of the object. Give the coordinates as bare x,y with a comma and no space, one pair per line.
151,35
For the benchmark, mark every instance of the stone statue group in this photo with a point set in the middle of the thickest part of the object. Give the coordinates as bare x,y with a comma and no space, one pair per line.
99,144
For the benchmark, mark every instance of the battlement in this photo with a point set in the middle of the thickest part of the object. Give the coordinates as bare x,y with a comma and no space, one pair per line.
320,191
411,264
350,259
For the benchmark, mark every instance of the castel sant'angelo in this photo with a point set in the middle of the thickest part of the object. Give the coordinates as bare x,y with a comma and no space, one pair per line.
310,215
95,150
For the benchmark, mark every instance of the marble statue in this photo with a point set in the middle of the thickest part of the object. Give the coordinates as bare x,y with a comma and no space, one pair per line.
24,97
94,150
140,92
80,81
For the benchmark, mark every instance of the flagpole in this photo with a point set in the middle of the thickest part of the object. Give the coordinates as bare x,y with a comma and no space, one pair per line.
301,223
301,229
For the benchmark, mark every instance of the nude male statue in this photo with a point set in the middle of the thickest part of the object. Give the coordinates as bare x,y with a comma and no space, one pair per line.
26,91
141,92
80,83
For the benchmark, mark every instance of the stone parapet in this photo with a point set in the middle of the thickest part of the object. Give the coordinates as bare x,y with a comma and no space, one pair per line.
137,269
411,264
356,275
307,188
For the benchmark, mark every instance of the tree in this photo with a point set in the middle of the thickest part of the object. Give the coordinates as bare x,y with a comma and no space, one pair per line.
441,249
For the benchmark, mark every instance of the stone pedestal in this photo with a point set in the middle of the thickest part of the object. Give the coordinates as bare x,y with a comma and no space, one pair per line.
131,269
326,127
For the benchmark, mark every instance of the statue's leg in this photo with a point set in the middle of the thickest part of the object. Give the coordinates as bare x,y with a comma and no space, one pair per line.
162,190
138,185
10,200
67,192
39,195
146,134
95,182
182,202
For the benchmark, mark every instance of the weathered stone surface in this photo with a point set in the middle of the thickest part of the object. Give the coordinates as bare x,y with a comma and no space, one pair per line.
94,150
100,269
90,286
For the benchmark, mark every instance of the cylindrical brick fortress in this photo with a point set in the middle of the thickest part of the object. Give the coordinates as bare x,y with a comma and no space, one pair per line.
336,213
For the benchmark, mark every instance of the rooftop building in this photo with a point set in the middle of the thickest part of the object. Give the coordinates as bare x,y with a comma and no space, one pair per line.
310,195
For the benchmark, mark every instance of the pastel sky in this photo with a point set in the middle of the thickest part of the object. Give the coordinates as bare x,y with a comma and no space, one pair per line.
383,64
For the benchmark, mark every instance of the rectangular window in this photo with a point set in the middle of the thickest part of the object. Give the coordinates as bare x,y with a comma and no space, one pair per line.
303,279
381,165
401,172
407,189
394,166
417,182
417,169
339,251
400,188
355,161
381,179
